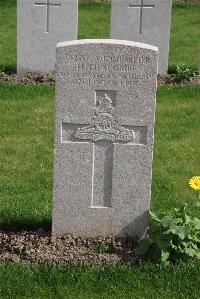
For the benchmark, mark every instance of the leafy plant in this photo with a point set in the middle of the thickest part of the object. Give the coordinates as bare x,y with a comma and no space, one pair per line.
183,73
174,236
171,237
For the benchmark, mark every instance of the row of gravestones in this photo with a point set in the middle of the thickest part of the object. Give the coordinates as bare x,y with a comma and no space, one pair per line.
44,23
105,110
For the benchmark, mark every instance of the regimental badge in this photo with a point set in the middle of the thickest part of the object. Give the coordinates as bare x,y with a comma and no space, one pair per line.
105,125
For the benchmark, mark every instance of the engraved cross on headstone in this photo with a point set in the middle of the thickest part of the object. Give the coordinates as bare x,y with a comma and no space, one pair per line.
141,7
48,4
104,133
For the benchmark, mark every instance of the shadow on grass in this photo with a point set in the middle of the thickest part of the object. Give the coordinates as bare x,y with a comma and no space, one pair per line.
8,70
19,226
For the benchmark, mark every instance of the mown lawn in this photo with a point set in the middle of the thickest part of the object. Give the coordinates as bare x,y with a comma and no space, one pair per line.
94,22
117,282
26,155
185,35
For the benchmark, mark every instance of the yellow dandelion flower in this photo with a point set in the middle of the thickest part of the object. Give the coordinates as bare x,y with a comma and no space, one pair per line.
194,182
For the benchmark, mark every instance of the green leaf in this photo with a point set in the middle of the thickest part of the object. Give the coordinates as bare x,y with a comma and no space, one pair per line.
191,252
181,232
164,257
178,230
194,238
196,221
162,243
198,255
177,210
154,217
170,221
143,246
187,219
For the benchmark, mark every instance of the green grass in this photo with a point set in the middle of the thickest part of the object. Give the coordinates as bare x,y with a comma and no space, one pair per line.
94,22
26,150
8,38
176,149
26,163
185,35
22,281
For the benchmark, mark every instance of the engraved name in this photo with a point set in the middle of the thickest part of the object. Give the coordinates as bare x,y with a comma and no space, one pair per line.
109,59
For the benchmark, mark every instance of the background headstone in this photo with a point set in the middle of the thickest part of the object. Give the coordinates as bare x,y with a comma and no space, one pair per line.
41,24
145,21
105,106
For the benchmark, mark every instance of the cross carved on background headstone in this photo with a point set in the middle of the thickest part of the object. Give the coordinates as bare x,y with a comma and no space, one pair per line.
48,4
141,7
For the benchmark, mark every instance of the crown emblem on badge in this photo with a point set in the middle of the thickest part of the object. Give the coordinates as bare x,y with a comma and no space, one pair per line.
105,125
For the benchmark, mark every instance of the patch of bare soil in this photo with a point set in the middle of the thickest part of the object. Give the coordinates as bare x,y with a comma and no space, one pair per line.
28,78
174,80
40,79
42,248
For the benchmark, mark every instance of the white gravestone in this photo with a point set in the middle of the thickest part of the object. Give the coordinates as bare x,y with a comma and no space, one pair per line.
41,24
145,21
105,106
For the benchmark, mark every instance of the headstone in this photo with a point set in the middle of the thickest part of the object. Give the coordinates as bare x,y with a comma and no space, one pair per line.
105,106
145,21
41,24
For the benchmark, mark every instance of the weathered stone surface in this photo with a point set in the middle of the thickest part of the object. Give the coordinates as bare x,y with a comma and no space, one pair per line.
41,24
145,21
105,106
